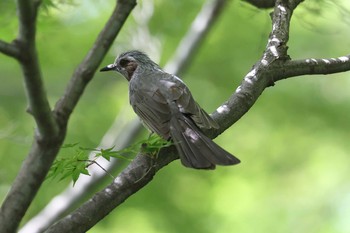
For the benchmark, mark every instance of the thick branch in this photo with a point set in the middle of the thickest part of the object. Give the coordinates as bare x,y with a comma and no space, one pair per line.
26,184
27,13
260,77
312,66
9,49
25,42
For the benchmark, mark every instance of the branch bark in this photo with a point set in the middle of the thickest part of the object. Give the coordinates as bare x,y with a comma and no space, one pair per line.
9,49
28,59
274,65
312,66
261,75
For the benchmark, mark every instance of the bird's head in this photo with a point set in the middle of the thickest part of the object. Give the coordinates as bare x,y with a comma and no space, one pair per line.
130,62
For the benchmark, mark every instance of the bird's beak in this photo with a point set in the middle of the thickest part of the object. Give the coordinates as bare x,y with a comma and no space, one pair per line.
109,67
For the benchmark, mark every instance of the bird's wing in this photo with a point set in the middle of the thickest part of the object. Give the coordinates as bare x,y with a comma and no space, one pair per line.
179,92
153,110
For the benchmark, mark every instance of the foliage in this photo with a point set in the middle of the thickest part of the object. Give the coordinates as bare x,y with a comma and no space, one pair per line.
75,163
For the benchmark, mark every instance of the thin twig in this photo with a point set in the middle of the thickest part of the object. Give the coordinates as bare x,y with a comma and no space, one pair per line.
94,162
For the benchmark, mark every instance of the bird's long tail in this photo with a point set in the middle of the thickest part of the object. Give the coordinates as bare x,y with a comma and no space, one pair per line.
195,149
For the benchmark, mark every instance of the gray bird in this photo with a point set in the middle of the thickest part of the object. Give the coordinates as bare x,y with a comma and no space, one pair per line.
166,107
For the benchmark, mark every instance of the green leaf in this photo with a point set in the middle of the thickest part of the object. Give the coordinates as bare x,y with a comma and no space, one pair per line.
75,176
82,156
85,172
107,153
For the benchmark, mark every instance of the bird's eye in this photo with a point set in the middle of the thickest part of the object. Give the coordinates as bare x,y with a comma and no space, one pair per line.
123,62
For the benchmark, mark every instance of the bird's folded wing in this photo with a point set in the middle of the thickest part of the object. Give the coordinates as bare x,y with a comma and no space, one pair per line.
153,111
178,92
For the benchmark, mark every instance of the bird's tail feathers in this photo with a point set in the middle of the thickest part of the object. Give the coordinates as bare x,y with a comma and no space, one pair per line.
195,149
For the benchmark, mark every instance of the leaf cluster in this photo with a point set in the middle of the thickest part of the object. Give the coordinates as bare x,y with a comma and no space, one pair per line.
78,159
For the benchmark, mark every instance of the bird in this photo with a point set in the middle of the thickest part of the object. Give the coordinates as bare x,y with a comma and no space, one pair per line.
166,107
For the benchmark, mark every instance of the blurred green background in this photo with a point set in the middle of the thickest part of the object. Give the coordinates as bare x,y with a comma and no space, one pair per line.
294,143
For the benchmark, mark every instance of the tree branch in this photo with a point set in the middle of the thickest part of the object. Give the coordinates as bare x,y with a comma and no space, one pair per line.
27,13
260,76
38,103
24,50
312,66
26,184
9,49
